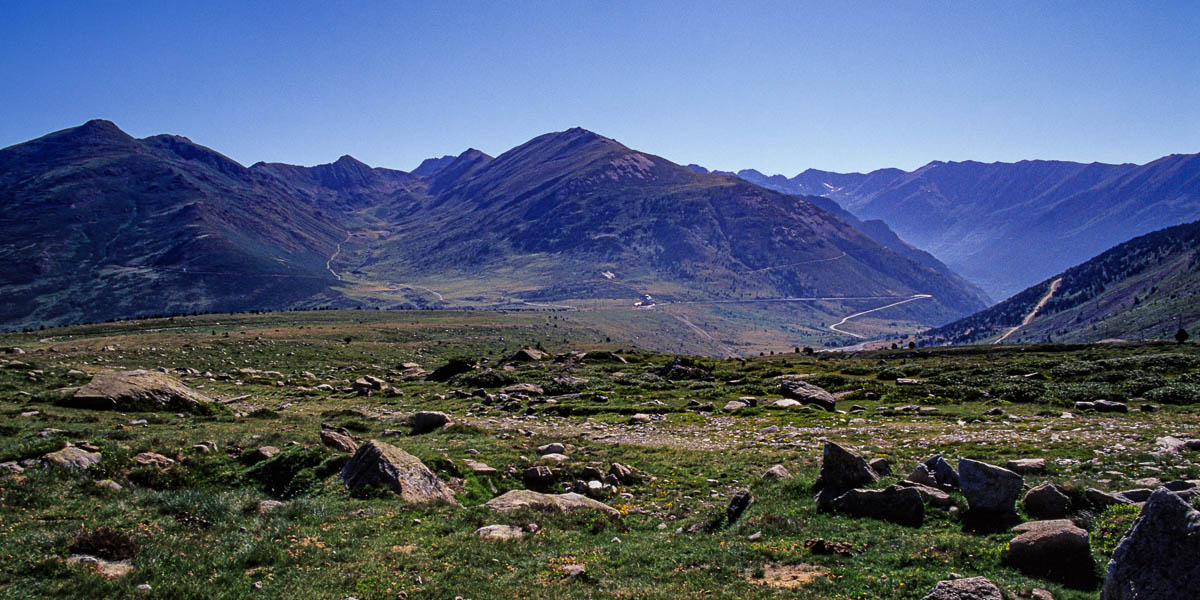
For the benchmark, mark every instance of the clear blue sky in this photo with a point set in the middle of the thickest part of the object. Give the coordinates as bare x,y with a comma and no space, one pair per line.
775,86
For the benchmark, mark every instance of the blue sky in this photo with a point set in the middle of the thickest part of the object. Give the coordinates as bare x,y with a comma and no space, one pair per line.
775,86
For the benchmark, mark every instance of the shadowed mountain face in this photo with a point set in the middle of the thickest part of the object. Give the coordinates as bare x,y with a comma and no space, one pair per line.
1007,225
1145,288
100,225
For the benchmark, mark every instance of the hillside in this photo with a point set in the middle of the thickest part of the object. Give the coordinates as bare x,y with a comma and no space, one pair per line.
1008,225
1146,288
101,225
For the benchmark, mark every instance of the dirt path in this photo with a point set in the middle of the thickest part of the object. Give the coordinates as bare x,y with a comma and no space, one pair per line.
807,262
336,252
704,334
1054,285
835,329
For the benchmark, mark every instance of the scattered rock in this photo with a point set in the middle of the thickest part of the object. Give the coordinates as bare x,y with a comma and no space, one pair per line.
737,505
944,475
931,495
527,355
1047,501
777,472
1101,500
1026,466
382,465
897,504
1054,550
1156,560
972,588
266,506
881,466
73,458
528,389
639,419
11,467
429,420
153,459
807,393
480,468
108,484
786,403
538,477
733,405
138,391
841,471
574,571
109,569
553,448
338,441
500,532
518,499
988,488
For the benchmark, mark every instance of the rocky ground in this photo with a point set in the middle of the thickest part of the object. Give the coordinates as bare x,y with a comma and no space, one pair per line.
337,454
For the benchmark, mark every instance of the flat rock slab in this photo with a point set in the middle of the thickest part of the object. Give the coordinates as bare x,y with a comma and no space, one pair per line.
500,532
138,391
73,458
518,499
383,465
973,588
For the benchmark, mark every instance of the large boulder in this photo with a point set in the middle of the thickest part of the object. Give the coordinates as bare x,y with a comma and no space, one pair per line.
897,504
72,457
988,488
807,393
972,588
528,355
1055,550
429,420
338,441
841,471
379,464
519,499
1157,558
944,475
138,391
1047,501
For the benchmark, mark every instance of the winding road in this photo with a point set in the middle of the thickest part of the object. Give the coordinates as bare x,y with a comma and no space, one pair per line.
835,329
1054,285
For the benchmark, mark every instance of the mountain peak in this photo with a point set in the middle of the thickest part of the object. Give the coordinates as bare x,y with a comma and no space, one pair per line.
347,161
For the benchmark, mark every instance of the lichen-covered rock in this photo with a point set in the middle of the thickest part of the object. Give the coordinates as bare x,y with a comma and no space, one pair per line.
338,441
896,504
972,588
988,488
73,458
1157,558
807,393
500,532
382,465
518,499
139,391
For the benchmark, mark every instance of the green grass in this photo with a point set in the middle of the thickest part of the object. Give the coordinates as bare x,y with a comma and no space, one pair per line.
198,533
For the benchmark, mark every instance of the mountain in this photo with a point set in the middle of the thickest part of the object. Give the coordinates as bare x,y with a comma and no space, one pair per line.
1145,288
1007,225
101,225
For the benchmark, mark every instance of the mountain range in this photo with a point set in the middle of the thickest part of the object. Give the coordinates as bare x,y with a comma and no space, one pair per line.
1006,226
1145,288
101,225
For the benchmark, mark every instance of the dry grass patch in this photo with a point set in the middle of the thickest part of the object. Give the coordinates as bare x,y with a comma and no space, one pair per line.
788,576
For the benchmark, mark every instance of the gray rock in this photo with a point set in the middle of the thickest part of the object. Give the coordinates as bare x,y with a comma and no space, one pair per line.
841,471
988,488
639,419
881,466
429,420
1101,500
777,472
943,474
896,504
737,505
338,441
1026,466
1110,406
734,405
500,532
1157,558
807,393
1054,550
73,458
382,465
519,499
931,495
138,391
554,448
973,588
1047,501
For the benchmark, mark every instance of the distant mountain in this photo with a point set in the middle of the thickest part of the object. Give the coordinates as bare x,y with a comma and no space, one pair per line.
1006,225
1145,288
99,225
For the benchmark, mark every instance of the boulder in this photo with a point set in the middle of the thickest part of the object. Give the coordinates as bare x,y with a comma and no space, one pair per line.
500,532
519,499
988,488
153,459
338,441
881,466
807,393
738,504
449,370
1101,500
841,471
944,475
138,391
786,403
379,464
734,405
896,504
639,419
972,588
1110,406
539,477
73,458
527,355
480,468
1054,550
1026,466
931,495
551,448
777,472
1157,558
429,420
529,389
1047,501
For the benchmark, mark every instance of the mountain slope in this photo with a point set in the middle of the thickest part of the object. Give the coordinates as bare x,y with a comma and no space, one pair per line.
1006,225
1147,287
98,225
